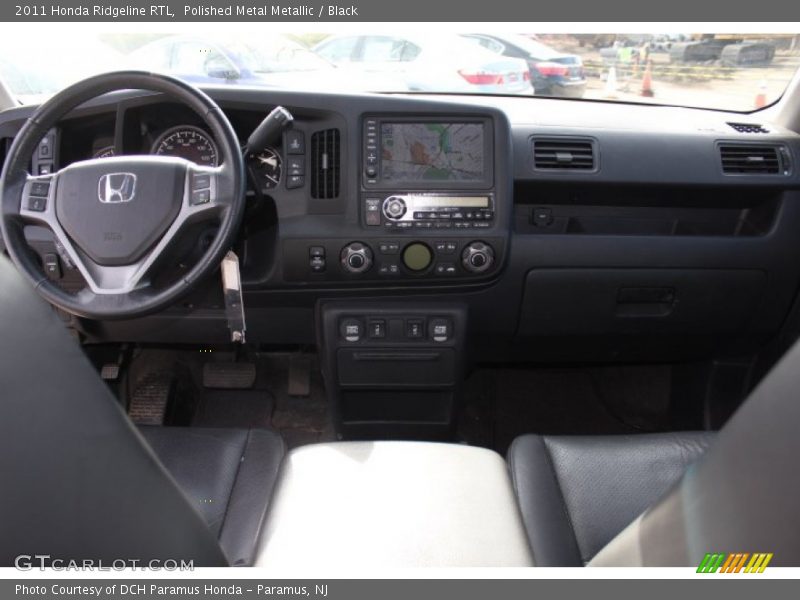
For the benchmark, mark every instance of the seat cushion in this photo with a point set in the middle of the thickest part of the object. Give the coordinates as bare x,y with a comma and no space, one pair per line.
577,492
227,474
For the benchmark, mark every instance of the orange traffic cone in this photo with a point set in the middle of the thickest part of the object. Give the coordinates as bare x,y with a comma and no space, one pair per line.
761,95
647,81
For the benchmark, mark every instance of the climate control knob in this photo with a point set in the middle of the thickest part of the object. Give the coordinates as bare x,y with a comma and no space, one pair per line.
477,257
394,207
356,258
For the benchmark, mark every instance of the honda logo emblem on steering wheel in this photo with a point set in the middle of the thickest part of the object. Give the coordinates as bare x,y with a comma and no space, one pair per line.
114,188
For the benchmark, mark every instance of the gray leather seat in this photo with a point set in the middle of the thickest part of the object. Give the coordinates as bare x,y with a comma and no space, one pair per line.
82,482
577,492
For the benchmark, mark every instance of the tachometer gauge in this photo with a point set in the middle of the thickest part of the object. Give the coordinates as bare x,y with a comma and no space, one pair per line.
191,143
266,167
106,152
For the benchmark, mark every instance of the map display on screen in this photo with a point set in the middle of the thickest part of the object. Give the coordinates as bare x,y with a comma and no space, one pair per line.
432,152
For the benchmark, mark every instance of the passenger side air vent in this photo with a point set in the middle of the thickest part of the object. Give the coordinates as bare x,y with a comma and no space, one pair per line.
748,127
325,172
564,154
740,159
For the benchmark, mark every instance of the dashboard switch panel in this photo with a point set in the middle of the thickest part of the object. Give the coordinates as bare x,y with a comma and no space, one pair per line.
450,260
394,366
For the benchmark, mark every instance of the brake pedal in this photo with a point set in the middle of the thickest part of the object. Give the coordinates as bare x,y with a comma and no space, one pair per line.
148,404
229,375
111,370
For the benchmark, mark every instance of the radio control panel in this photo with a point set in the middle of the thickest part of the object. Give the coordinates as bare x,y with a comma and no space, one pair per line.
431,211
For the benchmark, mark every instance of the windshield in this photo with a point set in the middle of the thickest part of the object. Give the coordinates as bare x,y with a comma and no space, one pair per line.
737,72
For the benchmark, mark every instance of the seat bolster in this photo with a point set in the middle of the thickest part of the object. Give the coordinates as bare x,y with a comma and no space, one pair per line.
541,502
577,492
251,495
204,462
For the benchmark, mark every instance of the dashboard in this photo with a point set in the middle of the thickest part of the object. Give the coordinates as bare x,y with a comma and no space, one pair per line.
570,230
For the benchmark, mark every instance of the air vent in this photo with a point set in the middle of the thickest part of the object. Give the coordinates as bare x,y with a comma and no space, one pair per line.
325,164
564,154
751,160
748,127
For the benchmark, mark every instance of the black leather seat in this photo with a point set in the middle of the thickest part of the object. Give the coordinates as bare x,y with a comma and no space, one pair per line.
227,475
576,493
82,482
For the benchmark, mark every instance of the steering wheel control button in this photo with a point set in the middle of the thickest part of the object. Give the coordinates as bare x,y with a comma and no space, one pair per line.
477,257
356,258
415,328
40,188
46,147
52,267
376,329
201,181
417,257
352,330
394,208
201,197
36,203
295,142
440,330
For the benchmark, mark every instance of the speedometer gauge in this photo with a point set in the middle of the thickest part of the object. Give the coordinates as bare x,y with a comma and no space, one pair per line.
191,143
106,152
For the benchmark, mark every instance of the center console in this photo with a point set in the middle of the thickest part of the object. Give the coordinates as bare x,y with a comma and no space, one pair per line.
393,369
357,505
430,207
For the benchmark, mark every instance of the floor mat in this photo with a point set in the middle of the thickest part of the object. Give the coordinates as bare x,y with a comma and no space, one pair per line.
300,419
234,408
267,401
501,404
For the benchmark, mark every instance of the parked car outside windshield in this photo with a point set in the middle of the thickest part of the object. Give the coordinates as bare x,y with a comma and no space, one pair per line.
553,73
274,61
733,71
441,63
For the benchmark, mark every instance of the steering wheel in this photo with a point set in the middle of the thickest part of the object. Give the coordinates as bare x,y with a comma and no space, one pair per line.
116,217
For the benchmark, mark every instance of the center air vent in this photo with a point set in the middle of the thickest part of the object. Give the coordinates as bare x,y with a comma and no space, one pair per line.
740,159
325,164
564,154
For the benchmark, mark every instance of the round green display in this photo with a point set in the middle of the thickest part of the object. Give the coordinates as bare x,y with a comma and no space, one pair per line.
417,256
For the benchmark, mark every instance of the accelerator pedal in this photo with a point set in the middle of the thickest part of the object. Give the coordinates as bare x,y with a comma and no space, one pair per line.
148,404
229,375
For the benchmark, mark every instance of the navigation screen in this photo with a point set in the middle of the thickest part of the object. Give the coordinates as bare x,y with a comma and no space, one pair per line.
432,152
